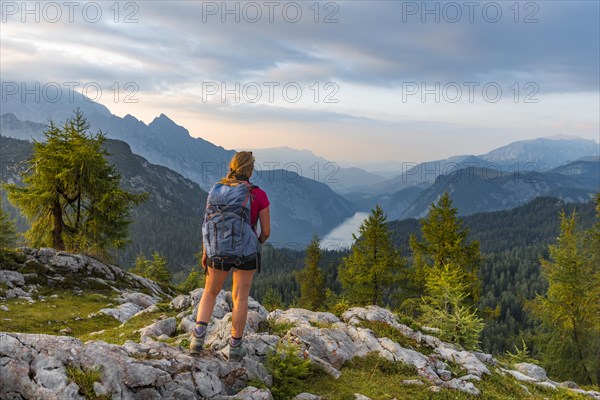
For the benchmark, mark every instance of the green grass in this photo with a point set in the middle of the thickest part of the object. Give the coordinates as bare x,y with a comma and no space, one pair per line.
85,380
382,329
54,314
275,328
322,325
381,379
121,333
71,311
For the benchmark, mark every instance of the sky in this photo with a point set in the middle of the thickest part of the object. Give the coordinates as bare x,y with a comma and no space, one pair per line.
349,80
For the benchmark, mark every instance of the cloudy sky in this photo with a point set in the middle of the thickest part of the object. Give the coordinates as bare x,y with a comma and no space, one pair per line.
349,80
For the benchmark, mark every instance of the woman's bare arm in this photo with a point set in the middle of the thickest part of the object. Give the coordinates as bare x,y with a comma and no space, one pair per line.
264,216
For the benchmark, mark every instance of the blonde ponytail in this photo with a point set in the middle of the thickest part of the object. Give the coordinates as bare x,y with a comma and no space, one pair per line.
241,165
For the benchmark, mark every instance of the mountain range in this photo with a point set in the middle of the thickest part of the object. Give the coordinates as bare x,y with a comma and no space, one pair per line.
484,189
407,194
161,142
170,220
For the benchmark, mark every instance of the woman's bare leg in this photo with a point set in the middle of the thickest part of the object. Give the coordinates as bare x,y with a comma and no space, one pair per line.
242,281
214,282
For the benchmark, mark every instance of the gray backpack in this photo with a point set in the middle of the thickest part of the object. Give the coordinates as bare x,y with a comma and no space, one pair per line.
227,232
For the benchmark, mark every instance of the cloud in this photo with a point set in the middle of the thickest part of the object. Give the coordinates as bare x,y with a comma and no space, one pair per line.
369,53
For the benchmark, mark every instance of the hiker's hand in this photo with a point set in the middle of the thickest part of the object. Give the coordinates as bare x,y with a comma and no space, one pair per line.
204,260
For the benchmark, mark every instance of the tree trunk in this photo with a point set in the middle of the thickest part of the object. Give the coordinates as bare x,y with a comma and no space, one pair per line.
57,240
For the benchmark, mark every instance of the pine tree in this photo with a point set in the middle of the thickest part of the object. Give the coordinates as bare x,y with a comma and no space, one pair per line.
71,195
311,278
8,234
568,337
374,265
444,242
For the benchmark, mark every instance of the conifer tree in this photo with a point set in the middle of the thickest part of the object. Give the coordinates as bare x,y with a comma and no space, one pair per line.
155,269
272,299
7,230
568,337
444,241
311,278
194,280
444,307
374,265
71,195
445,274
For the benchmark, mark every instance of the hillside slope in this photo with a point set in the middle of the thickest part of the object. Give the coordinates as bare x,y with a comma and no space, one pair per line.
146,356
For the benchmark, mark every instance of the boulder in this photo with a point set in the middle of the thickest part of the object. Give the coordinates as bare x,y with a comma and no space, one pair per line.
163,327
307,396
534,371
124,312
140,299
12,279
181,302
252,393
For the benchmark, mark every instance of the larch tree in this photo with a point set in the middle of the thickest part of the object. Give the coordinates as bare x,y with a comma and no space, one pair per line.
311,278
445,275
71,195
444,241
8,233
568,336
374,266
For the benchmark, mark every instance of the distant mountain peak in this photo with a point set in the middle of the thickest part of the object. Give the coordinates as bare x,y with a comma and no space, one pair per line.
165,126
163,119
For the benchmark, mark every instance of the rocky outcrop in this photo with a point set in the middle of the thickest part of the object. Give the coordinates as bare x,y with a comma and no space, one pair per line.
330,342
44,366
76,272
37,367
534,374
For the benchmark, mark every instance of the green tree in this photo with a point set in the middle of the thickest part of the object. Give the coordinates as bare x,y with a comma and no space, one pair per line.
568,336
8,234
443,307
71,194
374,265
155,269
444,242
272,299
194,280
311,278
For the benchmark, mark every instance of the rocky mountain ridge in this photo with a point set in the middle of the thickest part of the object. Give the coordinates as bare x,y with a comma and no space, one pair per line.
158,365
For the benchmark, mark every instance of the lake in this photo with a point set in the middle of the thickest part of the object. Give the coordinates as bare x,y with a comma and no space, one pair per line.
341,235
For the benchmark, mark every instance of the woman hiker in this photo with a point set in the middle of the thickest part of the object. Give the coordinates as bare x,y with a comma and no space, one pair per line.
240,171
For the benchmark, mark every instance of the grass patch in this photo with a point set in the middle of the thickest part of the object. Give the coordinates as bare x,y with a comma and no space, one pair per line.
381,379
372,376
54,314
275,328
129,331
85,380
322,325
381,329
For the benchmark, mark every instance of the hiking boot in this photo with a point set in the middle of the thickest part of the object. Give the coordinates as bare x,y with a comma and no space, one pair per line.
197,342
236,353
